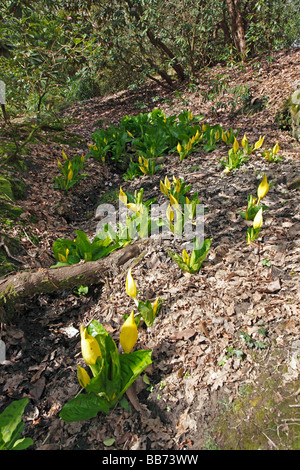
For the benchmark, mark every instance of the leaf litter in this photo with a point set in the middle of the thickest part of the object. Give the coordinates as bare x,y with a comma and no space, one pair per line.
200,361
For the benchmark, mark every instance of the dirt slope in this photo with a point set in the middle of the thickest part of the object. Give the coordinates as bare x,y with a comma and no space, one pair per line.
210,385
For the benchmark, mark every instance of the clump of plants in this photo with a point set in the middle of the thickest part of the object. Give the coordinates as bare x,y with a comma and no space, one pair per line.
110,372
254,211
69,171
192,263
147,310
68,252
12,426
238,156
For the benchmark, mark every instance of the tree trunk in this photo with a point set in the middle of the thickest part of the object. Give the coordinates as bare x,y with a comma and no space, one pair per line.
17,287
137,13
4,113
237,27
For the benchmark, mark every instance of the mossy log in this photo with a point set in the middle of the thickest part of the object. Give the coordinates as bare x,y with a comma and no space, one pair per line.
16,288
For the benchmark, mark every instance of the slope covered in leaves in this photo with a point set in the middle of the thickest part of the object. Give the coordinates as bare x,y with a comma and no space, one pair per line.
225,344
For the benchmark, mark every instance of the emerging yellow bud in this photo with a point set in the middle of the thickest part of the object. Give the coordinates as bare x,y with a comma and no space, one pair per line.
235,145
122,196
129,334
70,175
173,201
63,258
217,135
90,348
185,257
263,188
275,149
170,214
83,377
155,307
258,219
163,189
224,137
244,141
179,148
167,183
188,146
64,155
259,143
130,285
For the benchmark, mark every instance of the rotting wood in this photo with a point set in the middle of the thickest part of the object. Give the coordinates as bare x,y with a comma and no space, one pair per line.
26,284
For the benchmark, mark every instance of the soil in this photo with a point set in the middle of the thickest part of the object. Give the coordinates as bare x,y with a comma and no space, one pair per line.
210,385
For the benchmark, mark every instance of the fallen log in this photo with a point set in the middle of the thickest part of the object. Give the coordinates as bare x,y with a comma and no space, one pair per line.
15,288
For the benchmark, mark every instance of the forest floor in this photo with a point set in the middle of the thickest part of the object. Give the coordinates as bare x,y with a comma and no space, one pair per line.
210,386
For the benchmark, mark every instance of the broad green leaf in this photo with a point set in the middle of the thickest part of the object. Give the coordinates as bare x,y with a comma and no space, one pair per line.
132,365
83,407
22,444
178,259
199,254
11,425
109,442
146,310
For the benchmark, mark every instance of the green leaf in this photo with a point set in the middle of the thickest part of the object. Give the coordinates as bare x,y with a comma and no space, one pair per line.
22,444
146,310
132,365
109,442
199,254
108,380
83,407
178,259
11,425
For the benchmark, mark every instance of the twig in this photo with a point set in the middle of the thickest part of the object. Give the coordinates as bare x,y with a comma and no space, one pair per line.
271,442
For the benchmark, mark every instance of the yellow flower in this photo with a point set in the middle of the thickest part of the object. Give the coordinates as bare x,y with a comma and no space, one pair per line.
258,219
235,145
185,257
224,137
173,201
155,307
63,258
122,196
59,163
90,348
179,148
275,149
130,135
129,334
259,143
170,214
217,135
177,186
83,377
164,189
244,141
130,285
70,175
64,155
188,146
167,183
262,189
82,158
203,127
